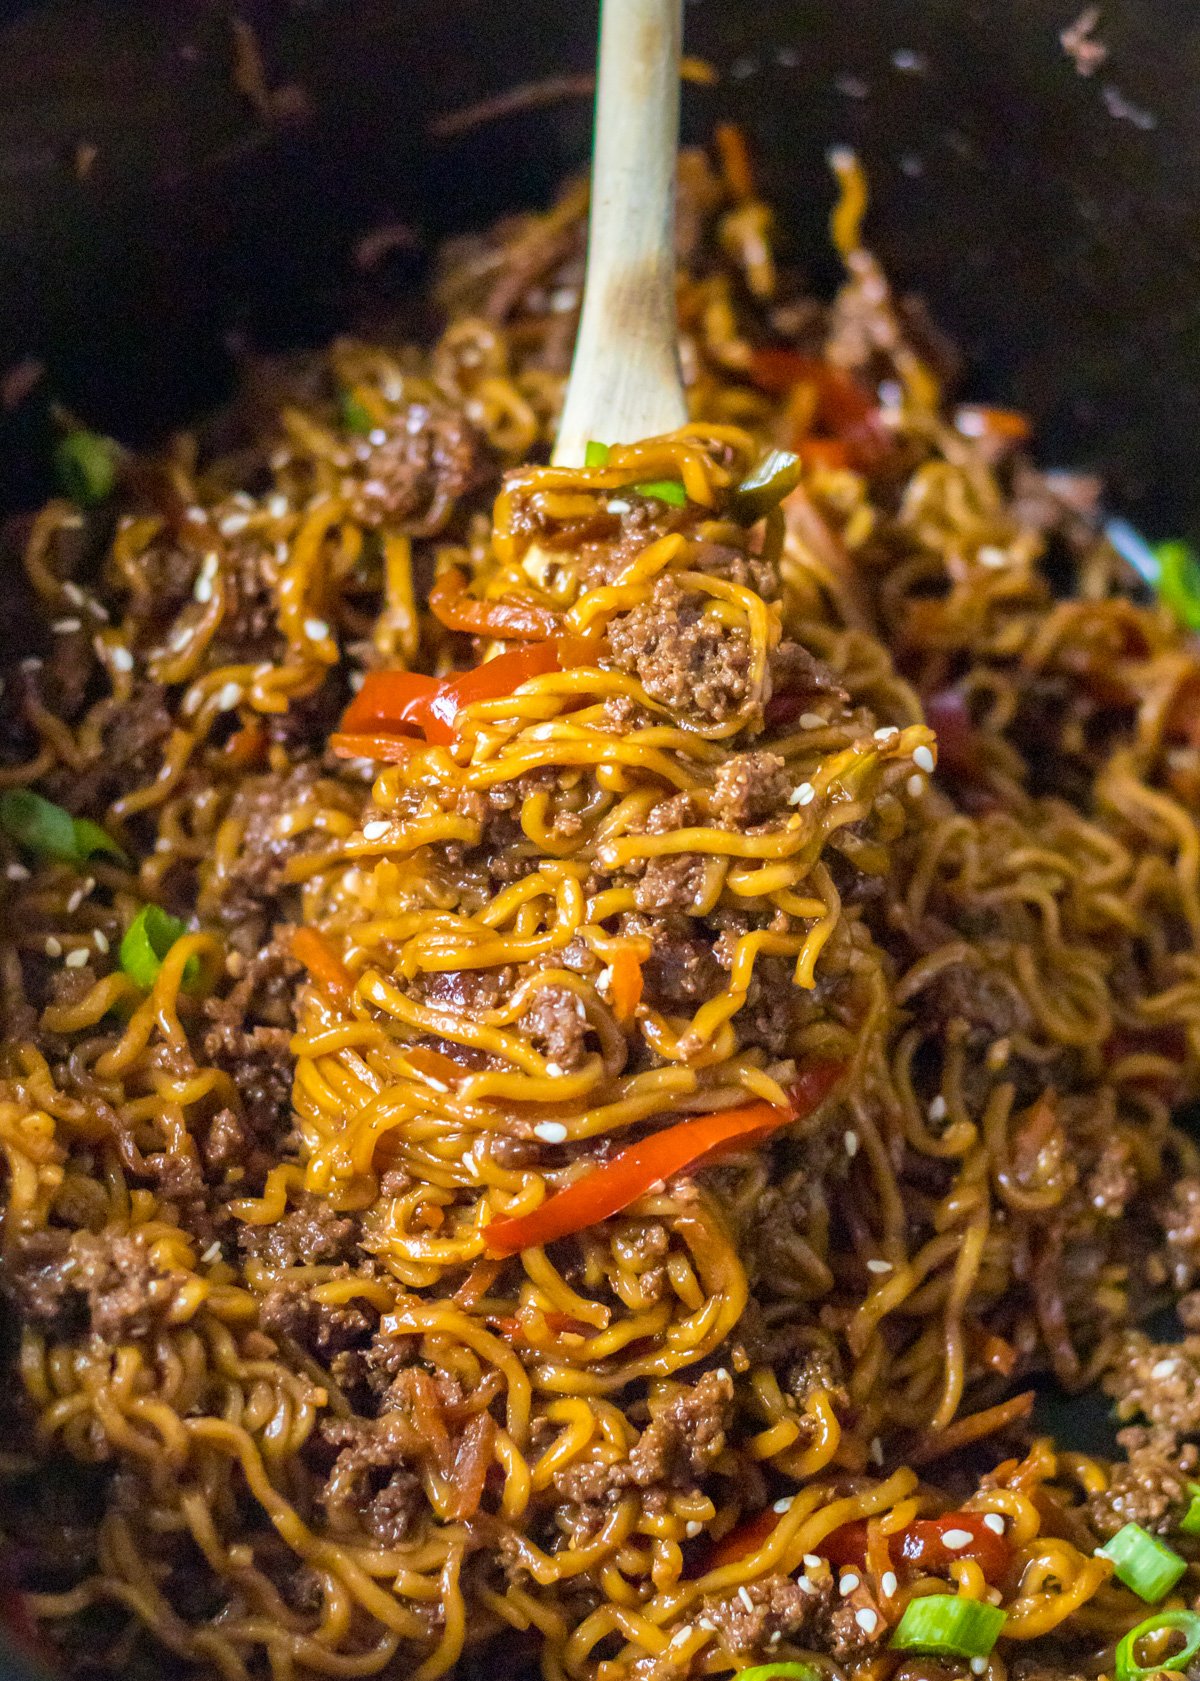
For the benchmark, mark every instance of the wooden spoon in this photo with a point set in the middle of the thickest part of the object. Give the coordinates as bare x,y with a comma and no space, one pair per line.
625,379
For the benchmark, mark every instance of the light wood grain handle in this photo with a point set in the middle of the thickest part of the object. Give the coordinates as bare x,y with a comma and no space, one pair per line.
625,379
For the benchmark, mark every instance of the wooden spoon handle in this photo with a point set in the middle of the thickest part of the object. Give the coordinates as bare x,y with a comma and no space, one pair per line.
625,378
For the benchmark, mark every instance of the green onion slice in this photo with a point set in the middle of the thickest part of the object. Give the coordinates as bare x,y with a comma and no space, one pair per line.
1143,1562
595,454
1189,1523
46,830
355,416
948,1623
147,941
779,1672
86,465
1187,1623
1179,581
666,490
766,486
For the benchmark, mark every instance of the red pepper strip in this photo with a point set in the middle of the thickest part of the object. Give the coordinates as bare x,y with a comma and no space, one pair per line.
845,410
950,719
515,621
626,984
403,703
320,959
612,1185
747,1538
388,749
923,1546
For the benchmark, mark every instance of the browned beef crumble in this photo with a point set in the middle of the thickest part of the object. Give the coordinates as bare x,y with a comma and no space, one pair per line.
1161,1381
750,788
684,659
429,458
81,1281
557,1027
773,1607
1180,1220
1151,1488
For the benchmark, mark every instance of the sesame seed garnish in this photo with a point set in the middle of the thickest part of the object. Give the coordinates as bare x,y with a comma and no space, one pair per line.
357,679
876,1451
617,505
79,895
31,663
888,1583
745,1599
277,506
692,1528
77,958
979,1666
915,786
784,1505
211,1254
228,696
805,1586
550,1132
803,795
1163,1368
867,1619
811,721
994,1522
555,1070
53,946
937,1109
101,939
202,589
121,658
878,1264
886,732
376,830
74,594
989,555
317,630
16,871
850,1140
956,1539
813,1561
231,524
923,759
65,627
848,1583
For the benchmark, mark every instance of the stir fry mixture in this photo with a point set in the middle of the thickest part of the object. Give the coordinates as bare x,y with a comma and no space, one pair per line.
578,1043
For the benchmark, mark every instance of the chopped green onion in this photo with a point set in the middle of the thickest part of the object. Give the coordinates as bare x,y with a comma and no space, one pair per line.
1179,581
1143,1562
779,1672
356,417
948,1623
86,465
595,454
147,941
1189,1523
764,488
1126,1666
48,831
666,490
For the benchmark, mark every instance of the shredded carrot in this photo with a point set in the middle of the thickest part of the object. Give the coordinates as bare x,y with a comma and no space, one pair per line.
626,986
321,961
932,1445
735,160
388,749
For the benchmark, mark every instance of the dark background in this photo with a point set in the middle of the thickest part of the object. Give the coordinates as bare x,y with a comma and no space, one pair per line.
1050,219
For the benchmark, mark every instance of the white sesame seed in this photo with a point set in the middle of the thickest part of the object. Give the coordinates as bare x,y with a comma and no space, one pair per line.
202,589
16,871
64,627
122,659
378,435
74,594
878,1264
979,1666
706,1623
1163,1368
550,1132
692,1528
77,958
803,795
317,630
180,638
277,506
989,555
101,939
722,1372
745,1599
876,1451
811,721
850,1140
53,947
915,786
888,1583
231,524
805,1586
784,1505
375,830
563,299
681,1635
555,1070
357,679
848,1583
618,505
211,1254
228,697
812,1561
937,1109
31,663
867,1619
994,1522
956,1539
923,759
886,732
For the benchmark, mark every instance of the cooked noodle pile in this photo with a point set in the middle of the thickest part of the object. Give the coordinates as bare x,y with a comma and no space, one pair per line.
682,992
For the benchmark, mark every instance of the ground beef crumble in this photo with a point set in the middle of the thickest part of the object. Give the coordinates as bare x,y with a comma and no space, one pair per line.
1151,1488
685,660
106,1283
